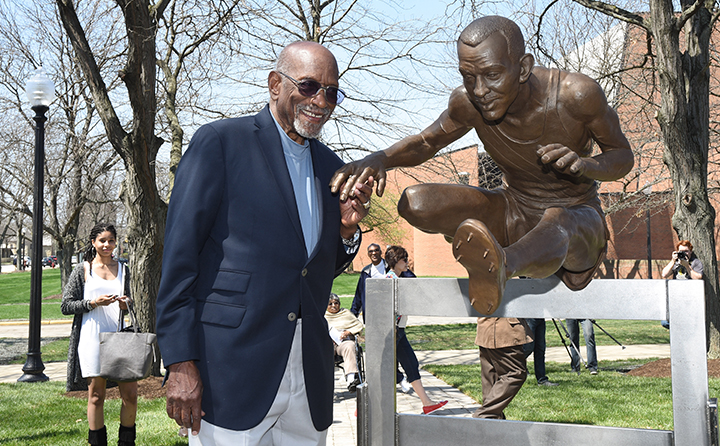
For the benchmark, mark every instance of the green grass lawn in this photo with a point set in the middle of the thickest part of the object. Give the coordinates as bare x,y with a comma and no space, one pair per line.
15,287
39,415
345,283
607,399
15,295
50,310
462,336
55,351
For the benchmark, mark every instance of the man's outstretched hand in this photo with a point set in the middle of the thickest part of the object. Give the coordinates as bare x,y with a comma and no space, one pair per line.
355,207
359,172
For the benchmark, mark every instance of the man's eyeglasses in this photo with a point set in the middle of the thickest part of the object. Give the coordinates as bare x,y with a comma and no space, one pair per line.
310,88
333,303
373,251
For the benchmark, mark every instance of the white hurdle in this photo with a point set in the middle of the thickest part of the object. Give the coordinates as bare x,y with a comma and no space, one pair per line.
682,302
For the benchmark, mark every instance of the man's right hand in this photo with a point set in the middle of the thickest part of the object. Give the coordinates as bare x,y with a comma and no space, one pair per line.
347,176
184,395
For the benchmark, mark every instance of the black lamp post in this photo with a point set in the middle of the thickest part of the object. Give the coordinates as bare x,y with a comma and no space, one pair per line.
647,190
40,92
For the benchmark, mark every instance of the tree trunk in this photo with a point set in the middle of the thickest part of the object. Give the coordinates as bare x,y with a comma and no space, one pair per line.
65,253
684,119
176,129
697,215
146,213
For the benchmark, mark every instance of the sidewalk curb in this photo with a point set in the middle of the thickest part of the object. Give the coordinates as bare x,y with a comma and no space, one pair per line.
45,322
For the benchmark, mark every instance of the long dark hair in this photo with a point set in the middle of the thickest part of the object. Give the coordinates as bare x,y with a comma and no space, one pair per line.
89,253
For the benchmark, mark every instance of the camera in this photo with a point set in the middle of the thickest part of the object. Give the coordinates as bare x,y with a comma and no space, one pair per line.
682,255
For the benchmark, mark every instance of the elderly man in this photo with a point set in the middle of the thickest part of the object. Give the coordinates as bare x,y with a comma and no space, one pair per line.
539,126
344,326
256,238
375,270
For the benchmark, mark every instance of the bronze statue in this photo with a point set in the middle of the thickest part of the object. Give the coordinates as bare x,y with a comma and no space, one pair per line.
538,124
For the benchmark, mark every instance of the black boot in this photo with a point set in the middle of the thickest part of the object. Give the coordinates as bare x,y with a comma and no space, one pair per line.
126,437
97,437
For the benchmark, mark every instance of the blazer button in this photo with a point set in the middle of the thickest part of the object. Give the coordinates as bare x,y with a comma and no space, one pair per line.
292,317
304,272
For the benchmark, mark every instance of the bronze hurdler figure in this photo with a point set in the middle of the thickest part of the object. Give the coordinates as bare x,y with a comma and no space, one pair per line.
538,124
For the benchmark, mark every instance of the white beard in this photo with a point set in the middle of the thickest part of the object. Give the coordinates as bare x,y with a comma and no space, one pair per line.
305,129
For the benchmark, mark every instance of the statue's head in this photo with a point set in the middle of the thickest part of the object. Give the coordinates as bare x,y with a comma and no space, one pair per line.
493,64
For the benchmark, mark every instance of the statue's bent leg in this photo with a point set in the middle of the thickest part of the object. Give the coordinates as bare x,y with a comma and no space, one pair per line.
440,208
572,238
484,259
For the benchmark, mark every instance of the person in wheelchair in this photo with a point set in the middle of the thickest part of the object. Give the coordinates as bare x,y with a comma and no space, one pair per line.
343,327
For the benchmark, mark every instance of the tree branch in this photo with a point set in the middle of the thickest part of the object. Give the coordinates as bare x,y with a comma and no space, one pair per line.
687,14
614,11
86,59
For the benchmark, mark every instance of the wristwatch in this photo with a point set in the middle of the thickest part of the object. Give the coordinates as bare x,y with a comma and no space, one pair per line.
354,241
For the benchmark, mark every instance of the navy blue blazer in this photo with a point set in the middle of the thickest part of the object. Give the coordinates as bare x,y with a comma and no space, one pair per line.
236,274
358,303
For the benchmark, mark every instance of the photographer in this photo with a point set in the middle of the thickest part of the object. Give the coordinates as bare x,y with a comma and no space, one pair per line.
684,263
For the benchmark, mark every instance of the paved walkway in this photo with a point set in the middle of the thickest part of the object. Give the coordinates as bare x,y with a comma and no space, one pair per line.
343,431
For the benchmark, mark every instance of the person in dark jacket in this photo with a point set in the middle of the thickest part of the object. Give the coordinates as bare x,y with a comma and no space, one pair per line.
375,270
256,239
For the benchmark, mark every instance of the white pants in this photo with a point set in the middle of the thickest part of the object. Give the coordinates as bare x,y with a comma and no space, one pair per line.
288,421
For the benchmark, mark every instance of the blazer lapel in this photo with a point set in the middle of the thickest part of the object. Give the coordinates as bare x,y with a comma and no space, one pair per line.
271,148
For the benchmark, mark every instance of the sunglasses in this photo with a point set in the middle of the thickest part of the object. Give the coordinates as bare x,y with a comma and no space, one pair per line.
310,88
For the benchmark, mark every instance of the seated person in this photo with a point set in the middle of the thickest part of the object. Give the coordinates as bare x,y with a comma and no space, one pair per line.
343,327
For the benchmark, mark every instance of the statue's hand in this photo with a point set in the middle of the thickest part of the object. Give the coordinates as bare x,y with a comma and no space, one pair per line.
562,159
359,172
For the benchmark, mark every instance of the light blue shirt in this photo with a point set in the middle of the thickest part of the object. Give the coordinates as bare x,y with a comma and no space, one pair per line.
299,163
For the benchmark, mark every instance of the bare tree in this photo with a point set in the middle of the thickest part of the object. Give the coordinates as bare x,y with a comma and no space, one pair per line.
135,142
681,52
213,59
389,67
76,160
194,48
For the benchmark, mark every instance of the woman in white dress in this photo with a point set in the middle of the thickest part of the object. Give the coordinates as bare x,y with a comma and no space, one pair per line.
96,293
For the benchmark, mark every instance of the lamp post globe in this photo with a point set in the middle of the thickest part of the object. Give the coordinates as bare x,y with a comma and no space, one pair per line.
39,89
40,92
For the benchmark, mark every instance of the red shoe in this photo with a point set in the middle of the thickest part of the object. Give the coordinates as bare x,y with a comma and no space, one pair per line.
433,407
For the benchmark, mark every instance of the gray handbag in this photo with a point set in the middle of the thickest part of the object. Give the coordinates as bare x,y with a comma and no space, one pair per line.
126,355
